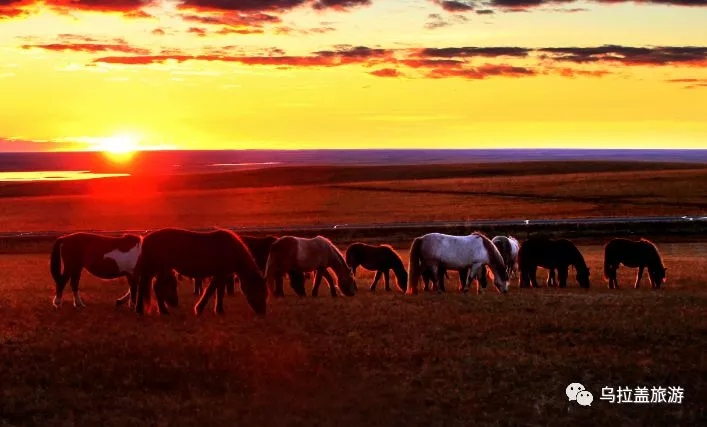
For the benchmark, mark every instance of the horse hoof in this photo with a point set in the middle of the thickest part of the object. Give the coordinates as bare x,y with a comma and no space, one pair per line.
372,289
197,311
218,312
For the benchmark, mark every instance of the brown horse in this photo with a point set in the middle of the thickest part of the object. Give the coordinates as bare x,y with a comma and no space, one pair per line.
106,257
633,254
378,258
290,253
218,254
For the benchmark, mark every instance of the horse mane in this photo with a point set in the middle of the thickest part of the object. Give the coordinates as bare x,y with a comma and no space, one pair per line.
655,249
335,250
492,250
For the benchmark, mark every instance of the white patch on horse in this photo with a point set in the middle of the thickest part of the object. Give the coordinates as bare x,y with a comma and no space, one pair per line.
125,260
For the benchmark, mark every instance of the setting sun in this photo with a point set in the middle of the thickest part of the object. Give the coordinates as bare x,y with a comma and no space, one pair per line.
118,147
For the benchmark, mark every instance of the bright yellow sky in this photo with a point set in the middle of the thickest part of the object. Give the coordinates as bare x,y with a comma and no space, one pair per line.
207,74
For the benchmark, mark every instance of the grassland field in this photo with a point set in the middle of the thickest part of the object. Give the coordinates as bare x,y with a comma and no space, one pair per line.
376,359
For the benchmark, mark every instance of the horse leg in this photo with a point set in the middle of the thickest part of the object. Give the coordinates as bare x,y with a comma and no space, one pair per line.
473,272
377,277
330,281
550,277
441,275
279,287
481,278
317,282
533,277
231,285
221,283
297,282
75,278
386,277
464,280
425,281
562,273
638,276
161,305
198,285
205,296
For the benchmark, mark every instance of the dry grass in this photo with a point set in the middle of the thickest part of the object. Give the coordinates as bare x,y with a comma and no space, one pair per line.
383,359
329,195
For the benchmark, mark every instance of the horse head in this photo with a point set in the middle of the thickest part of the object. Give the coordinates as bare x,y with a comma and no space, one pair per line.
347,284
501,280
658,274
583,277
256,292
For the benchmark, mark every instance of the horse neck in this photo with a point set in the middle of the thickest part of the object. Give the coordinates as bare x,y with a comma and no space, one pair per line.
654,256
578,260
337,262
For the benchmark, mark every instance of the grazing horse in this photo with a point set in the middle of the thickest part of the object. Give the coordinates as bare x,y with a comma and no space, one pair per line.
106,257
380,259
552,254
508,247
218,254
298,254
633,254
472,252
258,246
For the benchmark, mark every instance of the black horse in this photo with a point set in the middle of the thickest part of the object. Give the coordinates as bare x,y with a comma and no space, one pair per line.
634,254
552,254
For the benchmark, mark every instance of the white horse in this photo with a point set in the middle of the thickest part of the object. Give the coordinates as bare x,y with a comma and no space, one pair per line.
297,254
436,251
508,246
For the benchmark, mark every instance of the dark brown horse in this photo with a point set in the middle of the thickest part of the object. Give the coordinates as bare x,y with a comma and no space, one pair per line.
381,259
552,254
260,248
218,254
633,254
106,257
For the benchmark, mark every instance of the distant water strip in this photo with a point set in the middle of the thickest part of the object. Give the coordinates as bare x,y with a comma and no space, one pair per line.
54,176
245,164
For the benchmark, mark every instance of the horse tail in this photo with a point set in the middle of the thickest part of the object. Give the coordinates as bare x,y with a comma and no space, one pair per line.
55,265
414,264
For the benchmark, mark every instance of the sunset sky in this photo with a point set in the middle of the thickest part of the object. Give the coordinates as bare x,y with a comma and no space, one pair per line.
215,74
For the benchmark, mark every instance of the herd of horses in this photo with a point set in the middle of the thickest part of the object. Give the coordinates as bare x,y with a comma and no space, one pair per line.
155,262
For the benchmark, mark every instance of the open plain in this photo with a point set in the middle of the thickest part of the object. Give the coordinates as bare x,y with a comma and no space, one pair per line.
379,359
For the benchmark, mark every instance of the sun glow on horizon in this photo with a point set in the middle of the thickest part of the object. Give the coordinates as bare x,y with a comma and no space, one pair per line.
119,148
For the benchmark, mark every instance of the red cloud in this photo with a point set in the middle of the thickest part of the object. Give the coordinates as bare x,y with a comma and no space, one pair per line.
128,7
453,61
89,47
482,72
387,72
14,8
